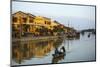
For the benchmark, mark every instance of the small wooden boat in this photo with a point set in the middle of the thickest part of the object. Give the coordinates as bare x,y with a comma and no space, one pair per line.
59,54
58,57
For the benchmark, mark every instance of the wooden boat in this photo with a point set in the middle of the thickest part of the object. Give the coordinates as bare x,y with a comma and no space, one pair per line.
59,54
57,57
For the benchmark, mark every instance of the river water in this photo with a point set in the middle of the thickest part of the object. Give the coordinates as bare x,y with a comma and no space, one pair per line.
43,51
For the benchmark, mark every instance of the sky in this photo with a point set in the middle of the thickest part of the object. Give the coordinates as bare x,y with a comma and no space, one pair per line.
79,17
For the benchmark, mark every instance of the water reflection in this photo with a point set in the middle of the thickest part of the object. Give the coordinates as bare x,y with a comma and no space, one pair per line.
54,51
38,49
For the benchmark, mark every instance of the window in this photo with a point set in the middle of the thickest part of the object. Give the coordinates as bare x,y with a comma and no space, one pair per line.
47,22
14,19
24,19
31,20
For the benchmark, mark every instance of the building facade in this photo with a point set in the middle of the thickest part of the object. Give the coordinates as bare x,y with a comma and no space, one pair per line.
26,24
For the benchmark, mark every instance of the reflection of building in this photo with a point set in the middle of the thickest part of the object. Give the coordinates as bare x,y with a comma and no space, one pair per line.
26,50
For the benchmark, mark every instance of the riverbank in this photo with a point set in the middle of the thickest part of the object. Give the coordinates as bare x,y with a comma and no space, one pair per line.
68,36
36,38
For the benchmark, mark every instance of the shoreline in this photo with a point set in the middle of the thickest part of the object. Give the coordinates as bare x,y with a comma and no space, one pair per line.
36,38
45,37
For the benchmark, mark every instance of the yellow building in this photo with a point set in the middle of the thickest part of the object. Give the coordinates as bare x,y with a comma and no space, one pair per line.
23,22
46,22
27,23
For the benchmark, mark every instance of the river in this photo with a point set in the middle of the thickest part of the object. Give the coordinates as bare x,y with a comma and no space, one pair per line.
43,51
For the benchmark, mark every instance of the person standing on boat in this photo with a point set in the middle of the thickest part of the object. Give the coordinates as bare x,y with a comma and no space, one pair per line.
62,49
56,51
